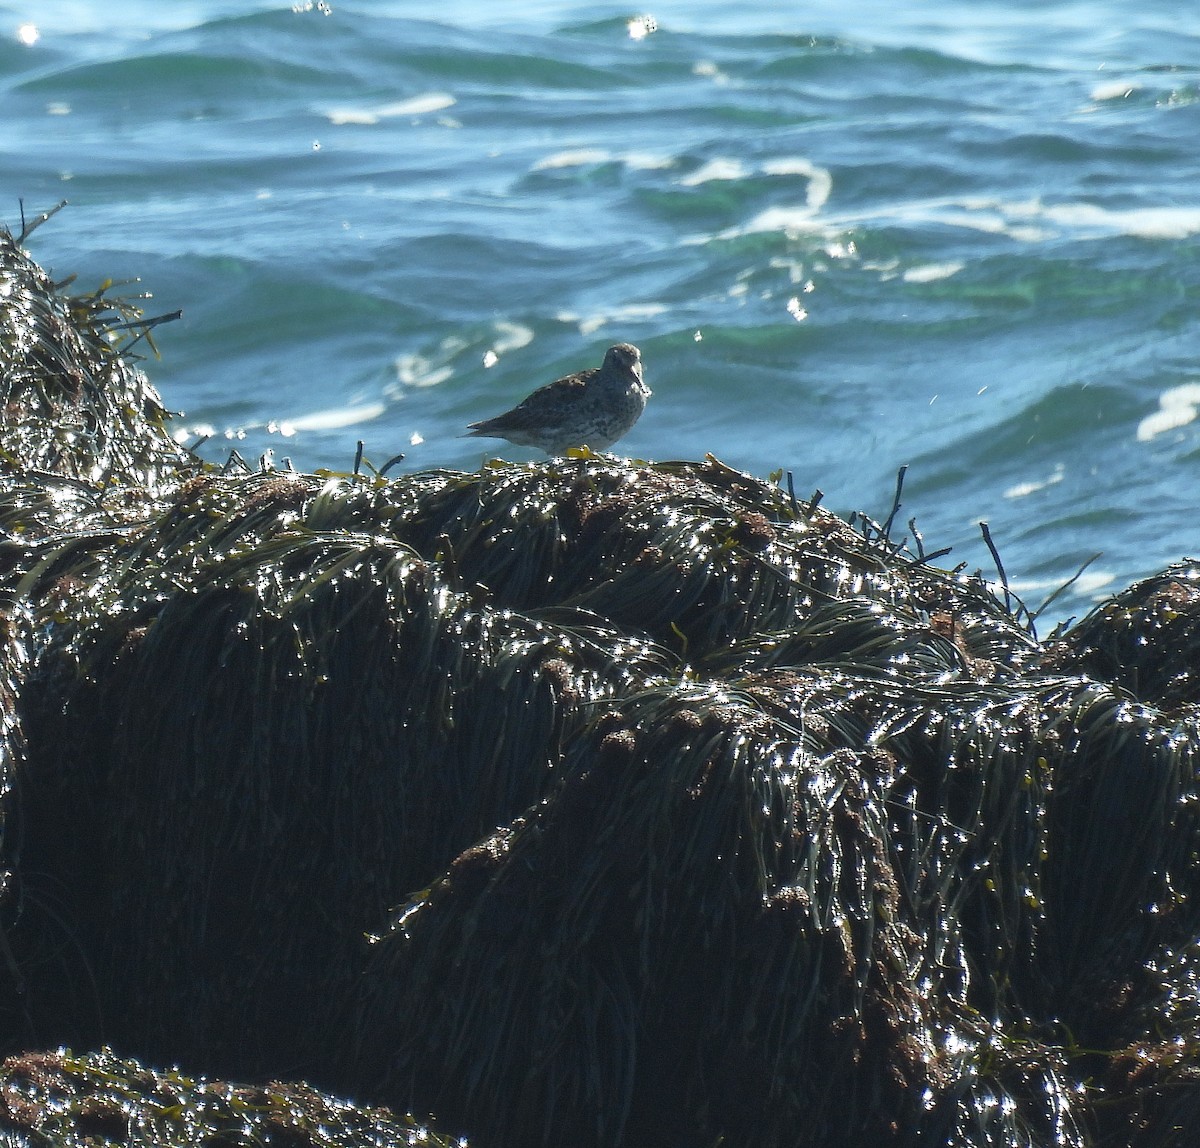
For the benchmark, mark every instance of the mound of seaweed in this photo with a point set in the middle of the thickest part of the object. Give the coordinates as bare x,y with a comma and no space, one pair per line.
80,1101
339,722
367,661
811,906
1144,639
676,810
74,406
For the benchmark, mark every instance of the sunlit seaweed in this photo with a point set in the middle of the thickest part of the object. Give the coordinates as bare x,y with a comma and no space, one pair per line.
81,1100
324,678
685,867
1144,639
713,914
73,406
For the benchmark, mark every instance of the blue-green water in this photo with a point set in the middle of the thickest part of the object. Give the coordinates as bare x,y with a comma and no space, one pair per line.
846,237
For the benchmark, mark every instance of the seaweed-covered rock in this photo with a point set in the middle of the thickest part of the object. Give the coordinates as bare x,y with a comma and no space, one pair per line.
698,937
259,736
731,878
73,406
1146,639
80,1100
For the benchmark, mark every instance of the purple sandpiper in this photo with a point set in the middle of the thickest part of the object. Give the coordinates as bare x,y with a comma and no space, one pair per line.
591,408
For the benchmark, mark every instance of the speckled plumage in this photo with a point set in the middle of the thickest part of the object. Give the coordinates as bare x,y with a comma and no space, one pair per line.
591,408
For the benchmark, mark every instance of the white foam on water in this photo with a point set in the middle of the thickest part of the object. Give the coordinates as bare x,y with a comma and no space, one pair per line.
715,169
414,370
1162,421
416,106
710,71
820,179
930,272
510,336
574,157
633,312
1141,222
334,418
1024,489
972,213
647,161
790,220
351,116
1088,584
1032,220
1114,90
1177,406
794,219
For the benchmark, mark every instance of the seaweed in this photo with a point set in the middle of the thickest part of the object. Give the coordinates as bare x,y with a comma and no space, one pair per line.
74,1100
73,405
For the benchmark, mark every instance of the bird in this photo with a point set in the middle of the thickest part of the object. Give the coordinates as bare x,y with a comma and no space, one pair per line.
590,408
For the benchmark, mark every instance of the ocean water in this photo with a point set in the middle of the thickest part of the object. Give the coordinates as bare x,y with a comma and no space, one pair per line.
961,237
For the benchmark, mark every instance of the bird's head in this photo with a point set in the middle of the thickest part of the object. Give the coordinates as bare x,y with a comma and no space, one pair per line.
624,357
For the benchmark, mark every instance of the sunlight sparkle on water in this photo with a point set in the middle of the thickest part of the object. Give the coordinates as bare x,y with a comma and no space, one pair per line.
795,310
641,26
28,34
